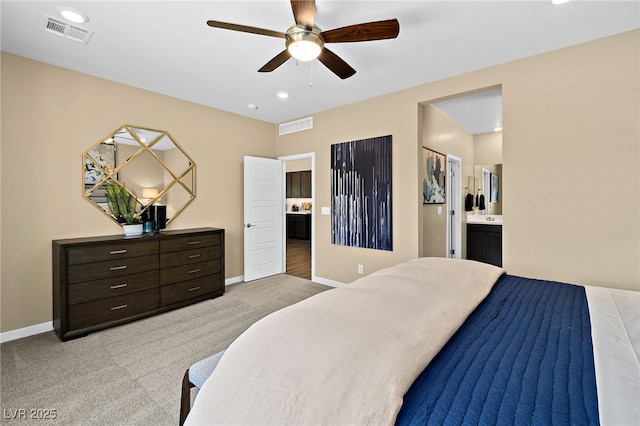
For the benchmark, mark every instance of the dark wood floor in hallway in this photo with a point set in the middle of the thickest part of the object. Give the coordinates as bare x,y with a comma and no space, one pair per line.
299,258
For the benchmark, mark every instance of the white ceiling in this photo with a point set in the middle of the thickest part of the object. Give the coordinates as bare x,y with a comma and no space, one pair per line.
166,46
477,113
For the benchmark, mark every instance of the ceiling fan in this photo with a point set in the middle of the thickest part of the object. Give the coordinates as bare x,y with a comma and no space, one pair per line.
305,41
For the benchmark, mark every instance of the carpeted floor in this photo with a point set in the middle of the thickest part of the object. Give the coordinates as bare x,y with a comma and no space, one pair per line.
131,375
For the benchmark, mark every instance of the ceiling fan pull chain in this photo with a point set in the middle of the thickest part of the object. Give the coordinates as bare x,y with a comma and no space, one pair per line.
311,68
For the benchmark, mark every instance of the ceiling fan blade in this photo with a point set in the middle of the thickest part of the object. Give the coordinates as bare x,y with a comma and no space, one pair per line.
379,30
335,64
278,60
304,12
246,29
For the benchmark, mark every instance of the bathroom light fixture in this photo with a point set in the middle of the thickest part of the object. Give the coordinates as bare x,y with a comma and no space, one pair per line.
73,15
304,45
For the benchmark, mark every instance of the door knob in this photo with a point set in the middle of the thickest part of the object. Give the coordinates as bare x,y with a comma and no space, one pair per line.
248,225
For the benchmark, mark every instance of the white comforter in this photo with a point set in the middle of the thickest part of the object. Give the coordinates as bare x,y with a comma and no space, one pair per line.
345,356
615,331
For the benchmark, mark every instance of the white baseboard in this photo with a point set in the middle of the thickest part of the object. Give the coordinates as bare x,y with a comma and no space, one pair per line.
7,336
234,280
326,281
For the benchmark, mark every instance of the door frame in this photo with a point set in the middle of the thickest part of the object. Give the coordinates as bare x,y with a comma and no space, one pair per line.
453,189
306,156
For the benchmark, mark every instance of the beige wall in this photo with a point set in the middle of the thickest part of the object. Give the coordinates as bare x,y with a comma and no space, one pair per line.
298,165
571,215
49,117
565,114
396,115
487,148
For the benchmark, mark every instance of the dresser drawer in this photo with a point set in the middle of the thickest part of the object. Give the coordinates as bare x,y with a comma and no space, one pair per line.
189,272
112,251
112,309
190,242
110,287
186,257
179,292
112,268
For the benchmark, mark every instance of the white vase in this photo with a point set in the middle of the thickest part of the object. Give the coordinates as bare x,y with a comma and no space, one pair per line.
135,229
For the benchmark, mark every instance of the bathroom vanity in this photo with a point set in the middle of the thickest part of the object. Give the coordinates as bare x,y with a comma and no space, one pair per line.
484,239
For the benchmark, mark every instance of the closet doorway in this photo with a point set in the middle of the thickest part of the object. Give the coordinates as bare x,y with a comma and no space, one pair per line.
299,189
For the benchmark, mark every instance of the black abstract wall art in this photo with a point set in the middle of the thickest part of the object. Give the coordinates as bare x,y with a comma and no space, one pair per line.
361,193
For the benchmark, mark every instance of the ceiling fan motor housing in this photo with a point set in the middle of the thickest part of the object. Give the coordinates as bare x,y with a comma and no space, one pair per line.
304,44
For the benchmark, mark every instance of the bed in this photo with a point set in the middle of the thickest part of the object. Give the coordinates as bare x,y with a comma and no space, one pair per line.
435,341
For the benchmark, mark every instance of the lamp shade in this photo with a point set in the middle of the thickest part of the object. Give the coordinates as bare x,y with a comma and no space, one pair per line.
149,193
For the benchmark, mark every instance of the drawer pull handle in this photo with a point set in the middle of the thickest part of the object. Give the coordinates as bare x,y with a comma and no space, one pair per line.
115,308
118,268
118,251
193,271
193,256
113,287
193,242
194,288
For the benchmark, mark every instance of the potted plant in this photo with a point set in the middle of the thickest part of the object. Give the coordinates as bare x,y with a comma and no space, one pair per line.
122,203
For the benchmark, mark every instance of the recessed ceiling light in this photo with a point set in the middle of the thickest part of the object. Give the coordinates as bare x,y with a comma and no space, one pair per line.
283,95
73,15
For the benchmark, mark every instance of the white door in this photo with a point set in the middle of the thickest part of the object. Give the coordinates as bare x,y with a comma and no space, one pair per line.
263,217
453,188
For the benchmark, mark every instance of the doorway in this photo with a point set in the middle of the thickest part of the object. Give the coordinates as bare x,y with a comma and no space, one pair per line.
299,233
468,125
453,184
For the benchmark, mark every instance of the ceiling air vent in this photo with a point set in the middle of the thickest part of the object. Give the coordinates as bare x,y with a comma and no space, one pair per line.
296,126
62,29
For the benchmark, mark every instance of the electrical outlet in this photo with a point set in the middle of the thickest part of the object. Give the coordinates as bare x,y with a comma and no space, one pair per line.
360,269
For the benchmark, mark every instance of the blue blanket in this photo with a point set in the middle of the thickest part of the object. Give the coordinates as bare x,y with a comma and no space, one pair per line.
523,357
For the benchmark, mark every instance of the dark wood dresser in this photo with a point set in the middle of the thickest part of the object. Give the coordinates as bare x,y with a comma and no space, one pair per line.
100,282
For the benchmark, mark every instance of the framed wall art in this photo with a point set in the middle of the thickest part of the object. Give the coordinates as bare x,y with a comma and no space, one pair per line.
361,193
495,187
103,156
433,188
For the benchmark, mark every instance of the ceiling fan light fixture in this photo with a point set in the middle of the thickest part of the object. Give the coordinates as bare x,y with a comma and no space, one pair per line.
304,45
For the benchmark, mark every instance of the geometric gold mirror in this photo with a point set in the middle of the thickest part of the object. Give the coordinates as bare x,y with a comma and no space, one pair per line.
147,161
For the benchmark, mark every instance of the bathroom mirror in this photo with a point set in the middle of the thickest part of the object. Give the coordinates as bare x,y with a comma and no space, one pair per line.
488,179
147,161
